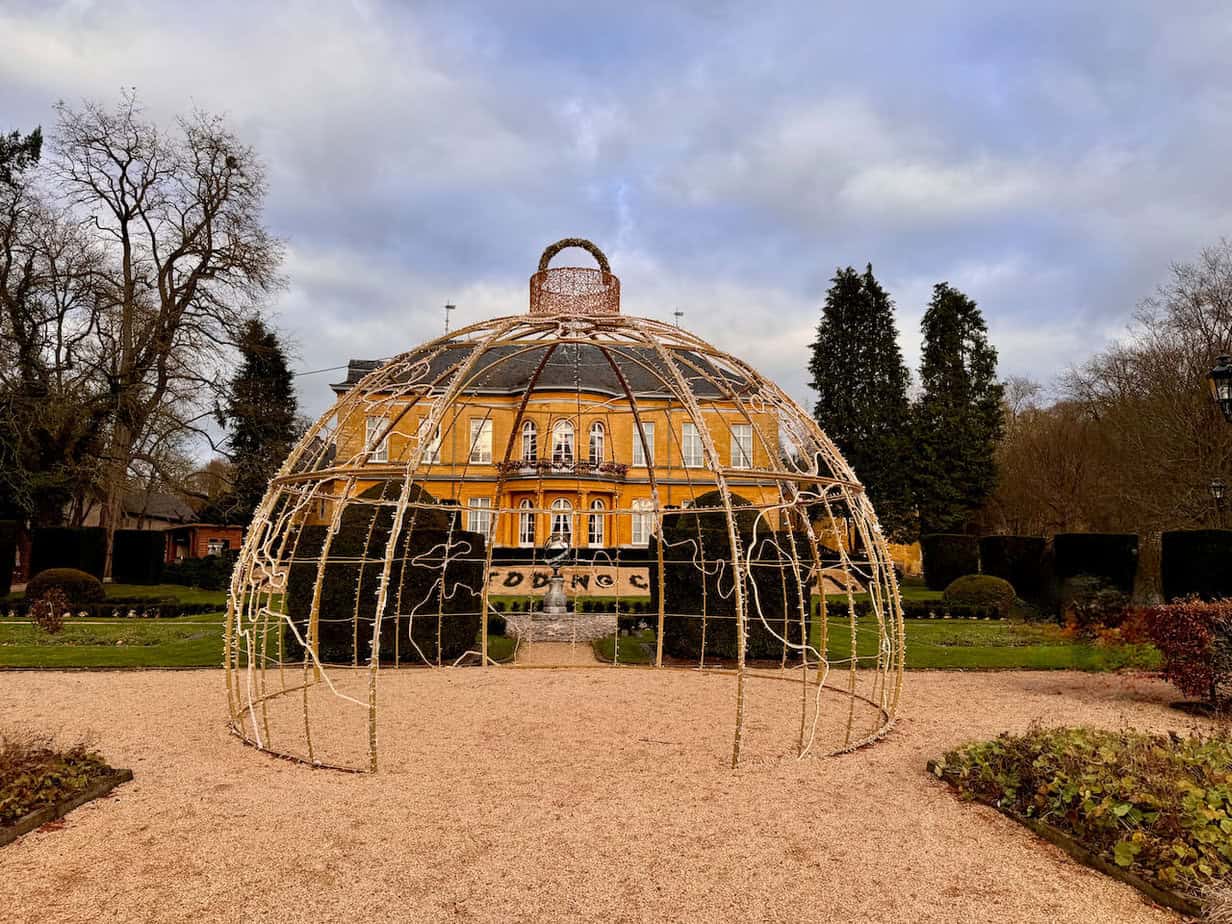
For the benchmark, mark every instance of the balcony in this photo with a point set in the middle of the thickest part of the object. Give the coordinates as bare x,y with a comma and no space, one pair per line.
546,468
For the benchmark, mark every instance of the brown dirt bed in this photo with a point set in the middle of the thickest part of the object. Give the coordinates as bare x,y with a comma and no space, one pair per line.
535,795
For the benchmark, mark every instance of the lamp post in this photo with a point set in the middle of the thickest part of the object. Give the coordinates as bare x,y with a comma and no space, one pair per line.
1220,379
1218,490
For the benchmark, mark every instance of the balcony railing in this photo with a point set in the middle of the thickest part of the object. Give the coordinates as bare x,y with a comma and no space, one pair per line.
546,468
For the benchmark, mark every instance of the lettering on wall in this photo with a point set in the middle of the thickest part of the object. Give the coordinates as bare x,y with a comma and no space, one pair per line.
580,581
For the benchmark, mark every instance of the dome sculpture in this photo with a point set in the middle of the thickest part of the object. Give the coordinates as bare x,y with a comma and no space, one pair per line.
584,478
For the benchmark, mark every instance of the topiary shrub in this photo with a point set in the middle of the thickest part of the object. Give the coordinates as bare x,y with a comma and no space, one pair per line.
1195,638
211,572
772,593
421,620
1196,562
1089,604
497,624
948,556
82,548
1021,560
137,556
1113,557
79,588
706,511
981,590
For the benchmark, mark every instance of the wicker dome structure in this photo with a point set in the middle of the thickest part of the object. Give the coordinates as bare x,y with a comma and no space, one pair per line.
692,515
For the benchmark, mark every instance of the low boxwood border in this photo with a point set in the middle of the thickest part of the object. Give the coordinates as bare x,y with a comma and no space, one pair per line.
1177,901
39,817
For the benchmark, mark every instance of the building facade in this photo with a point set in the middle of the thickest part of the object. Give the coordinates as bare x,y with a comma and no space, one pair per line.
563,444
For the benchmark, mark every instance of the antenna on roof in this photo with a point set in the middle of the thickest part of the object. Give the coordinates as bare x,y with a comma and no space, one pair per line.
678,314
448,308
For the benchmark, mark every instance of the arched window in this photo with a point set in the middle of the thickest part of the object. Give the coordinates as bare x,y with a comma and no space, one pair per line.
530,441
526,525
594,529
562,443
643,520
596,442
562,519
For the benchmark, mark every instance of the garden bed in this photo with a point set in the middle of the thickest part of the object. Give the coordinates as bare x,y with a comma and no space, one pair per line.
1154,811
40,782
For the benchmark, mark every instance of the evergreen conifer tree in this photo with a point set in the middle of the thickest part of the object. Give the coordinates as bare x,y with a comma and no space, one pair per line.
260,414
958,419
861,382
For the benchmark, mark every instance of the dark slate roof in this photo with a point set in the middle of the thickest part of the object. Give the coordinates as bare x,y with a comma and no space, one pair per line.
508,369
156,506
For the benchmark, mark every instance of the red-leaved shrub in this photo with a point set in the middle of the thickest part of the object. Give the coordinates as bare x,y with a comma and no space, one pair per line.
1195,638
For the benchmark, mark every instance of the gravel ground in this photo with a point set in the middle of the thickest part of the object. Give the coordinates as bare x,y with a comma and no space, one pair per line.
539,795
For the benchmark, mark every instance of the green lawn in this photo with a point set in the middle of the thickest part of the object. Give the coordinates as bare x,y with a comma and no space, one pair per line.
634,649
159,592
950,644
989,645
188,641
196,641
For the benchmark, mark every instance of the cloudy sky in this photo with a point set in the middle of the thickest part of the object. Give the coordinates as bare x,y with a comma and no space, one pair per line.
1051,159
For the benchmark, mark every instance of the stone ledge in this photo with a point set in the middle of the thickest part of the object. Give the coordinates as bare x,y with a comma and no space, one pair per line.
40,817
540,627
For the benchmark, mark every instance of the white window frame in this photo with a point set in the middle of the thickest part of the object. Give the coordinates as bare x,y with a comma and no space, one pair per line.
742,445
373,426
639,451
217,546
562,515
643,521
594,524
562,443
596,443
481,441
692,454
526,525
530,441
432,453
479,516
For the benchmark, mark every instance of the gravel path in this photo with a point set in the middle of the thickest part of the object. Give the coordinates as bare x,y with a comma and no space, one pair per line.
534,795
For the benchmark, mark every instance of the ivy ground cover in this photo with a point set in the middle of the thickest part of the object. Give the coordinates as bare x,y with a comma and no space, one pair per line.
1156,805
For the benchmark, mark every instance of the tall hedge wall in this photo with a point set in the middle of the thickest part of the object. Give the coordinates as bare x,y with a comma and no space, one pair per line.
773,593
437,580
1196,561
8,554
137,556
81,547
1112,557
948,556
1021,560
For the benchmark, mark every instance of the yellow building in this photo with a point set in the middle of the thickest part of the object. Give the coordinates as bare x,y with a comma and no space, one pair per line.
560,440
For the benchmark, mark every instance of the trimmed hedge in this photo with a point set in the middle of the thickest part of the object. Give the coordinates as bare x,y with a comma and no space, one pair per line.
213,572
118,607
690,594
948,556
1113,557
137,556
8,555
429,556
78,586
1196,562
81,547
1021,560
983,590
921,609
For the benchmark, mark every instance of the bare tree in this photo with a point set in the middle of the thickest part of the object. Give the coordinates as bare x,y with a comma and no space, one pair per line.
178,221
51,406
1149,396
